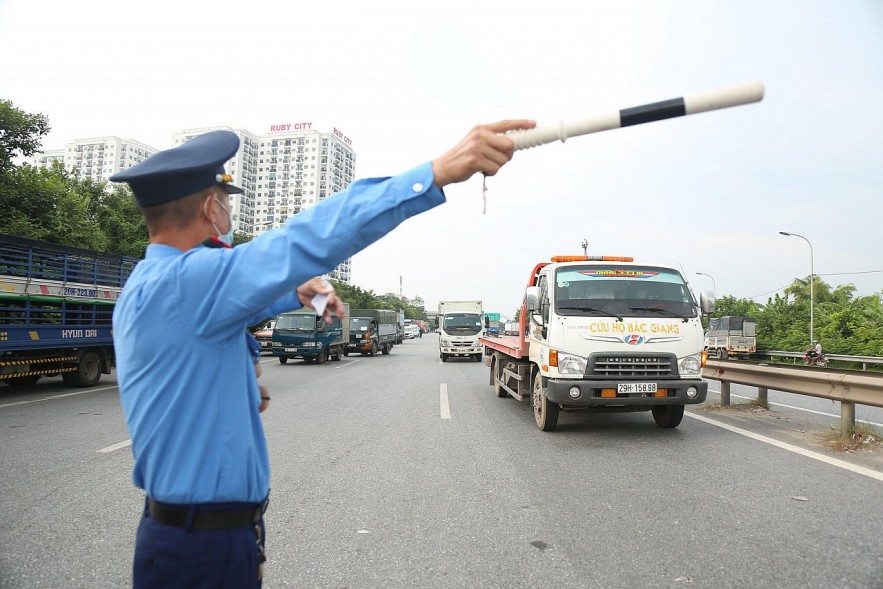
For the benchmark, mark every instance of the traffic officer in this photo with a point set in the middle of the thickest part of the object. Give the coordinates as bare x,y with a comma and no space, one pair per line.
187,381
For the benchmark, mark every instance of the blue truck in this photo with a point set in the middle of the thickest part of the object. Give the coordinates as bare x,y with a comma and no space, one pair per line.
56,308
303,334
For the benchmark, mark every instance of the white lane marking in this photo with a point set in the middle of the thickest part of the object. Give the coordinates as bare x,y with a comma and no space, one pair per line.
791,448
443,400
802,409
115,447
350,363
53,397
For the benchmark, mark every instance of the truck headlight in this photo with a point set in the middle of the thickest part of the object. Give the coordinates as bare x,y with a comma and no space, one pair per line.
446,343
690,365
570,364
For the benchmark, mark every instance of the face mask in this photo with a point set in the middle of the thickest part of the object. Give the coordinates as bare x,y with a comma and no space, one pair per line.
226,238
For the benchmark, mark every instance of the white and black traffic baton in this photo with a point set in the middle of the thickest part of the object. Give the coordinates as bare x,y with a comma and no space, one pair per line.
637,115
667,109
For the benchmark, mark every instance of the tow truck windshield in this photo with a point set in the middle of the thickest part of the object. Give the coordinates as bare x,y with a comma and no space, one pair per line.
633,291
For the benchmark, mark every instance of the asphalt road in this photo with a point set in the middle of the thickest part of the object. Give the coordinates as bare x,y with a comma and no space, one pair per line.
402,471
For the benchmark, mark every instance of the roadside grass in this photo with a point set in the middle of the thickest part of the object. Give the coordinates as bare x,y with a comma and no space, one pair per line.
754,405
862,437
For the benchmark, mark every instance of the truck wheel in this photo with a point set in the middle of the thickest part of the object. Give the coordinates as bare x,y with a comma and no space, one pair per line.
373,351
322,356
722,353
346,352
88,371
497,371
668,416
27,381
283,359
477,357
444,357
545,413
386,349
337,356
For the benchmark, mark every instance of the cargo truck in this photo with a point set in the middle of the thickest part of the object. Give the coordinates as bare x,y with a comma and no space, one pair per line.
603,334
304,334
401,322
459,326
372,331
731,336
56,310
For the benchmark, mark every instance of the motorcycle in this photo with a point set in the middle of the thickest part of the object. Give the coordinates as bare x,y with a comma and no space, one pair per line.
811,358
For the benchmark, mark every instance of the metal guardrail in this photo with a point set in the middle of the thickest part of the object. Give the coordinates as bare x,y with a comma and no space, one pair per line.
863,360
847,387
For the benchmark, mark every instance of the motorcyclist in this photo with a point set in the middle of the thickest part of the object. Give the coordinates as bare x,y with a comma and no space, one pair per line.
814,353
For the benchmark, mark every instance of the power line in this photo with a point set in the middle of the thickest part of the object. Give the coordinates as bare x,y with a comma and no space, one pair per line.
826,274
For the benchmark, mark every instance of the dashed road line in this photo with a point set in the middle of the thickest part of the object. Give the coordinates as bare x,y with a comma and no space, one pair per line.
53,397
114,447
443,401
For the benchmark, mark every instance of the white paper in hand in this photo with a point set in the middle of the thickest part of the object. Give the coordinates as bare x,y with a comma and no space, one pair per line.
320,300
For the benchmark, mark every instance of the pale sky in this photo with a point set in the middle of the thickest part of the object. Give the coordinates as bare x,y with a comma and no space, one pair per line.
406,80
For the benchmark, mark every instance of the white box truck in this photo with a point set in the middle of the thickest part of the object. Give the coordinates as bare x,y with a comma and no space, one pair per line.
459,329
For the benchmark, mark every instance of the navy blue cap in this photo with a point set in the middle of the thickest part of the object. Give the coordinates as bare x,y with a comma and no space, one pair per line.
183,170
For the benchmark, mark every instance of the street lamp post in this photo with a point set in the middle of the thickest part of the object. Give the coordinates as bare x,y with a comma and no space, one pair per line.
812,279
713,283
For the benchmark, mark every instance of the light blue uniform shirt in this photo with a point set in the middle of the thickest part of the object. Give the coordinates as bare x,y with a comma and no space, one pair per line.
187,381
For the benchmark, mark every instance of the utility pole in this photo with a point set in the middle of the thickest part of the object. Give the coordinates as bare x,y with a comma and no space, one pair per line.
585,245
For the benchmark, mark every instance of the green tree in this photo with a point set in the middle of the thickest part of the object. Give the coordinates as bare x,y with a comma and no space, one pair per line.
121,222
21,133
52,205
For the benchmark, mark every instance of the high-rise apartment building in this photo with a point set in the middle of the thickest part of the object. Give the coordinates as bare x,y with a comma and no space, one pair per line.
243,167
281,173
97,158
284,172
298,167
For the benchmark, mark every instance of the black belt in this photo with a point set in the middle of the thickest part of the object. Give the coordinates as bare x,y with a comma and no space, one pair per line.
204,520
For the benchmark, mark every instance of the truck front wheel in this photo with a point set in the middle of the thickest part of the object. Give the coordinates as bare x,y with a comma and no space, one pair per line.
544,412
668,416
283,359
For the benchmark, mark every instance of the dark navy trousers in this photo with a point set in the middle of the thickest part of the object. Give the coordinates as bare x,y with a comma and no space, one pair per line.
171,557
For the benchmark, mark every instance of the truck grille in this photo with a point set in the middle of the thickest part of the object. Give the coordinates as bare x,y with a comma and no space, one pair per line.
612,365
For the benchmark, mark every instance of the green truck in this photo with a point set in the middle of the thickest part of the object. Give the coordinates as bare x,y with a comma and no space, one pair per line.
372,331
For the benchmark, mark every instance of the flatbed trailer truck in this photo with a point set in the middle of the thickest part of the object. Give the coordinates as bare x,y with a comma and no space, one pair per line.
56,310
603,334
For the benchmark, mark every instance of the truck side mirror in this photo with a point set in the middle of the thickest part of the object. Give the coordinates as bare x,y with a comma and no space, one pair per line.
706,302
487,321
320,324
532,294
